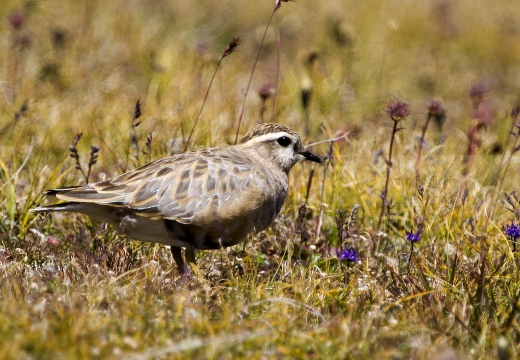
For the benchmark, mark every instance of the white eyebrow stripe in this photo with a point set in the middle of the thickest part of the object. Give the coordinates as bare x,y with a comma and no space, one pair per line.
270,136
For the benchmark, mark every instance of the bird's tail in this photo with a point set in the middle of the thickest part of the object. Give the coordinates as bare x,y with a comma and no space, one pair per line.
102,213
55,192
66,206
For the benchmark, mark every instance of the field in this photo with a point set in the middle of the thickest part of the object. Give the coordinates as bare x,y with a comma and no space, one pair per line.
402,245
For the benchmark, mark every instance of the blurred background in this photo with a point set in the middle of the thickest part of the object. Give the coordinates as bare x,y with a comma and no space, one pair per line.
80,66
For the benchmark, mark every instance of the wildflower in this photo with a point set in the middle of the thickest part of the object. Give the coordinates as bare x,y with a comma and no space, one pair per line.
16,19
266,91
397,110
350,254
435,107
52,241
414,237
437,112
513,231
478,91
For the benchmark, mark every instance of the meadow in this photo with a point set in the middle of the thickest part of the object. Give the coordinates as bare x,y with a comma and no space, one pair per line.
401,246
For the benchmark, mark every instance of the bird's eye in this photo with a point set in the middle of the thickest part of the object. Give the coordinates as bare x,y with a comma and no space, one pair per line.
284,141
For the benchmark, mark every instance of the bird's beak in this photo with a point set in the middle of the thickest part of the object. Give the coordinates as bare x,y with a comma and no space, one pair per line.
311,156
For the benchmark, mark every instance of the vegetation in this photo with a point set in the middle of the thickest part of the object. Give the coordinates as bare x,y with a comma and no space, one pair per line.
403,245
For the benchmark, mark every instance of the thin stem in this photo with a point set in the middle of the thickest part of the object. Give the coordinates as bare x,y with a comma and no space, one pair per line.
262,110
306,121
231,48
410,258
501,180
86,176
309,184
277,6
328,140
203,103
133,135
421,142
322,193
481,288
277,71
388,168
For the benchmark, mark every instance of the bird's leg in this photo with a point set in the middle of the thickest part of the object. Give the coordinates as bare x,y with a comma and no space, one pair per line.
190,265
189,253
177,256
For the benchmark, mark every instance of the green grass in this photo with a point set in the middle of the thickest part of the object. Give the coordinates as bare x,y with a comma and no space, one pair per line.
73,288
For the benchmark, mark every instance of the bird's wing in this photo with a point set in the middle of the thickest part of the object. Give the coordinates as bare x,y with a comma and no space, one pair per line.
186,187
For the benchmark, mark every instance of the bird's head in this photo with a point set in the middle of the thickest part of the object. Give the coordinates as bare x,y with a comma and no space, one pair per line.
279,145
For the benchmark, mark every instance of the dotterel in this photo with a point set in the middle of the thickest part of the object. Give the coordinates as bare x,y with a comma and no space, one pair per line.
205,199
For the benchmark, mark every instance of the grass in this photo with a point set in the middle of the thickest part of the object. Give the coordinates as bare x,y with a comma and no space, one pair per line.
73,288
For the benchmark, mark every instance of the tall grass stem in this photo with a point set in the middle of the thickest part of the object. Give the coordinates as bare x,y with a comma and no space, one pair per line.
277,6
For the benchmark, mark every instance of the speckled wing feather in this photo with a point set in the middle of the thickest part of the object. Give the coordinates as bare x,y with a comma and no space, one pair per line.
190,188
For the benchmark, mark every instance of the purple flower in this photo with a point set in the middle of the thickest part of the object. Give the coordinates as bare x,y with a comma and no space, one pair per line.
397,110
266,91
436,108
414,237
350,254
513,231
437,112
478,90
16,19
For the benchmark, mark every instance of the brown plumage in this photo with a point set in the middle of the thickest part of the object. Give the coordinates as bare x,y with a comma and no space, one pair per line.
206,199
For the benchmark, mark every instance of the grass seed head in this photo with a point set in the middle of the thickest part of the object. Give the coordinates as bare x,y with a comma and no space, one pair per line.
232,47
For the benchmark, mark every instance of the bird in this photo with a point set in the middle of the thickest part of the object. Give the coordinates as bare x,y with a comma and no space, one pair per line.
198,200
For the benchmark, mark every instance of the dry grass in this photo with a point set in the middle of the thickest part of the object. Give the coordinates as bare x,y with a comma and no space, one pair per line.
72,288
